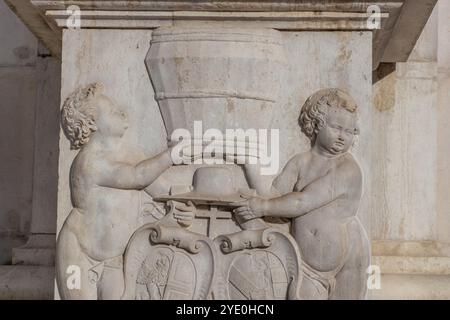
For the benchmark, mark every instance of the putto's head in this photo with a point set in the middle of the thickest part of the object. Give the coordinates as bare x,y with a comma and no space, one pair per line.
86,111
329,118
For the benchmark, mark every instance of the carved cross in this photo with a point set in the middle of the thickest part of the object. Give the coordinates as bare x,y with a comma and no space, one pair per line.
213,215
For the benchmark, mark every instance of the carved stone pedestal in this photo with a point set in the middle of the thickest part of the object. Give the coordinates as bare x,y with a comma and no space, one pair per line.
223,259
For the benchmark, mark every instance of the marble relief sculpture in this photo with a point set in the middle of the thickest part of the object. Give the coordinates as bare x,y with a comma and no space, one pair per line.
223,258
214,240
320,191
105,203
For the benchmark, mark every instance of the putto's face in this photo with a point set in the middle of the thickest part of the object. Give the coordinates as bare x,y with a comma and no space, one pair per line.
338,134
111,120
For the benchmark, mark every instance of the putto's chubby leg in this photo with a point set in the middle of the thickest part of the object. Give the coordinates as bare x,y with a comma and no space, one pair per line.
351,281
111,284
312,289
72,268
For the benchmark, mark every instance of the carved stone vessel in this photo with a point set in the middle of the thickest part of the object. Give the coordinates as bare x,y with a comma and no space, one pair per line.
221,76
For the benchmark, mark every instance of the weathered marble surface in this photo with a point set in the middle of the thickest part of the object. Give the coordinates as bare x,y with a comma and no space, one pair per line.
99,55
403,178
412,274
21,282
18,90
116,58
105,181
443,127
29,91
411,224
401,21
320,190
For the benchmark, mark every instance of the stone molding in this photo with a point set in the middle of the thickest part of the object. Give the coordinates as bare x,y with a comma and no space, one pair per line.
401,21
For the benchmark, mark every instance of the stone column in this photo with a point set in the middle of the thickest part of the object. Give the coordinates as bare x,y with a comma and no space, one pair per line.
405,107
411,208
17,93
30,101
32,271
443,118
40,247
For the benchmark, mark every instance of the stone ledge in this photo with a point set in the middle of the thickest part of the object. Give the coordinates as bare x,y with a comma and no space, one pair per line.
219,5
410,248
38,251
7,243
409,287
304,20
26,283
411,257
412,265
33,256
401,24
417,70
412,269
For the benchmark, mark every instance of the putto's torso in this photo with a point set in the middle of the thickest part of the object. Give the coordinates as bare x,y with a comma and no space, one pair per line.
104,231
322,233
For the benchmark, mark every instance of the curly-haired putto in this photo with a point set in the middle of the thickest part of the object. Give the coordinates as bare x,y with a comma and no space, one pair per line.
78,115
313,114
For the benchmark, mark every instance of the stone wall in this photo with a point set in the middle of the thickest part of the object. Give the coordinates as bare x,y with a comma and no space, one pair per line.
443,125
411,212
18,90
405,137
29,116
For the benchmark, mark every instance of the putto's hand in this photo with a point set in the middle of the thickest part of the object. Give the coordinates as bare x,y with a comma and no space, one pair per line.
184,213
252,208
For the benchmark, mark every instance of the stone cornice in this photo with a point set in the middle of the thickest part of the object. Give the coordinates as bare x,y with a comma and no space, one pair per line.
304,20
220,5
401,20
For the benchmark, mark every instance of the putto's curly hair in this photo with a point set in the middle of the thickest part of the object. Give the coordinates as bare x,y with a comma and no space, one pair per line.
313,114
78,115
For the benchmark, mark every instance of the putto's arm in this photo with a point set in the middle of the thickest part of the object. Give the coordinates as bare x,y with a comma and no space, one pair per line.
336,184
124,176
159,187
287,179
256,180
282,184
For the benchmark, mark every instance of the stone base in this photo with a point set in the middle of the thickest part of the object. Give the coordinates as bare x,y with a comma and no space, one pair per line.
26,282
412,270
7,243
413,287
38,251
32,273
